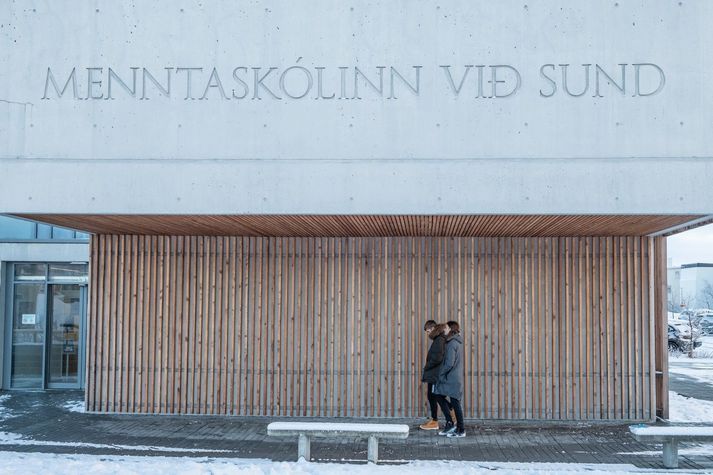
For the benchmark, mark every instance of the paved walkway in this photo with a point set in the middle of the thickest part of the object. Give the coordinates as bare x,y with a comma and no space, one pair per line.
39,422
686,385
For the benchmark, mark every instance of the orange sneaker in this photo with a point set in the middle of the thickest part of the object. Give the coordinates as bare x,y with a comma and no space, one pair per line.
430,425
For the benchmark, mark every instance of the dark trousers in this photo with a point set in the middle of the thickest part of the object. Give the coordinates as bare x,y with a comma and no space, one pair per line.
446,405
433,402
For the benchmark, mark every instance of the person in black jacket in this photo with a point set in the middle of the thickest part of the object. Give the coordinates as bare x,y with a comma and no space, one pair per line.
431,370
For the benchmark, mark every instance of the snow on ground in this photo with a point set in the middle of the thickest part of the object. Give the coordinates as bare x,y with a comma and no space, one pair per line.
74,406
702,353
699,369
706,349
61,464
4,412
10,438
688,409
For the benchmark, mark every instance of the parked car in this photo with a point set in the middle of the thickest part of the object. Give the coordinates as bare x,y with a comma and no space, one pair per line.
683,327
678,342
707,324
700,319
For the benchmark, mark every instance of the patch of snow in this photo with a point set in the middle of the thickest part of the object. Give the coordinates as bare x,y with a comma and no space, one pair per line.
10,438
662,430
702,353
688,409
697,368
74,406
4,412
61,464
338,427
699,449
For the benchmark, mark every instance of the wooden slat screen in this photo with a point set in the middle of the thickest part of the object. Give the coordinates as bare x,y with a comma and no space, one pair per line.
554,328
371,225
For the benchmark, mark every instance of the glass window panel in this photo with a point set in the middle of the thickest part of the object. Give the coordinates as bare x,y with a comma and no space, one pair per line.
28,335
62,233
68,272
83,235
13,228
33,272
44,231
65,318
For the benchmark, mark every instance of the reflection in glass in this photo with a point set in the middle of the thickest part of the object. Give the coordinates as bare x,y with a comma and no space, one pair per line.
34,272
28,331
62,233
68,272
65,318
44,231
13,228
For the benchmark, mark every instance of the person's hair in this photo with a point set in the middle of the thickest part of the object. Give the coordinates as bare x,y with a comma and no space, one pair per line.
454,326
430,324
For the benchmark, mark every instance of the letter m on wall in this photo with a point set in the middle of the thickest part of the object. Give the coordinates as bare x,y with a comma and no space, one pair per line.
50,79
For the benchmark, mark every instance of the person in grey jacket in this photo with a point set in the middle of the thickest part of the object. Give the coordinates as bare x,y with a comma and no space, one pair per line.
450,382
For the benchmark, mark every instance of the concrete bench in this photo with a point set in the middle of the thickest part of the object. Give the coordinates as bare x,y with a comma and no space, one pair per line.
333,430
670,435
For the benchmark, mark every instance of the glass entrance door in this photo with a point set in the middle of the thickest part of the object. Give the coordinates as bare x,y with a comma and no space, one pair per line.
64,331
44,337
28,335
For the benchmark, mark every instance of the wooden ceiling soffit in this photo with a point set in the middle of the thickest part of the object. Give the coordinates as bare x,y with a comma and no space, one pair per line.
372,225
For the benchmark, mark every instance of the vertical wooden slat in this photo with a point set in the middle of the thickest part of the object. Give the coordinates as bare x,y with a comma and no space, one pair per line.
113,297
94,321
647,340
243,375
181,310
150,309
659,314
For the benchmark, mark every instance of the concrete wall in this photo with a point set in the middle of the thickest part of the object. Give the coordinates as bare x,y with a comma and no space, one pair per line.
31,252
512,139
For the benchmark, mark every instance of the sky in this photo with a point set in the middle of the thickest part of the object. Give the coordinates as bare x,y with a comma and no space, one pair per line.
692,246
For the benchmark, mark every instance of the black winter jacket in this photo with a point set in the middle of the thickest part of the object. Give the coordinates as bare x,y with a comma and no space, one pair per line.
434,359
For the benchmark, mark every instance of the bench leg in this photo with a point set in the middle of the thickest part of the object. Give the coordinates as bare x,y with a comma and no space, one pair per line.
670,454
373,454
303,447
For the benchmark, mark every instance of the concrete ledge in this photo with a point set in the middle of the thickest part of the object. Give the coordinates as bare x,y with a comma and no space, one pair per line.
474,186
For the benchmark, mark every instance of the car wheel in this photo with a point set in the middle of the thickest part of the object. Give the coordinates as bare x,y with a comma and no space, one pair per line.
673,347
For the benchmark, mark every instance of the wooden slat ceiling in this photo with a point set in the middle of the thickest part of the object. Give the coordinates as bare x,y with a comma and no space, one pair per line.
369,225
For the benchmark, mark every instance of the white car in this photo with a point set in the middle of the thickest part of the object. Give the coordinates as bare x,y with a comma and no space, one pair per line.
683,328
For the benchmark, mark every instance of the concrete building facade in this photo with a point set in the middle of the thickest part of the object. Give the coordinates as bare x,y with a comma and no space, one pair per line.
691,286
280,193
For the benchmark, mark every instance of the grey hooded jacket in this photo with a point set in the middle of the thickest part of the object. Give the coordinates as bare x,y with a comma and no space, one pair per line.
450,378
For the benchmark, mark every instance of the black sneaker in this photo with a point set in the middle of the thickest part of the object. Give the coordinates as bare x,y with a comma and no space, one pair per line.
456,433
448,429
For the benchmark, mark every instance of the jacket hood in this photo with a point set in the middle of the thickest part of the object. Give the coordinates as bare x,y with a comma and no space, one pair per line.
437,331
457,338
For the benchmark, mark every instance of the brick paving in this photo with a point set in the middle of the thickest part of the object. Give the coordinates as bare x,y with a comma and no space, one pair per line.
40,416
